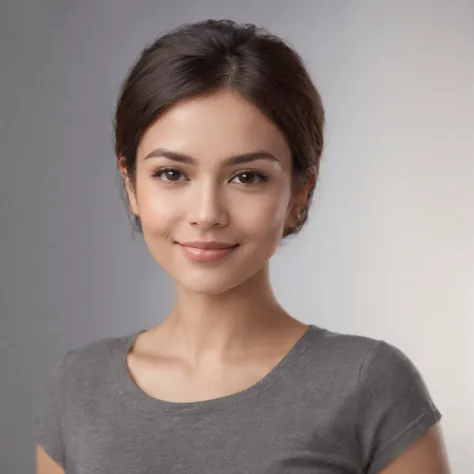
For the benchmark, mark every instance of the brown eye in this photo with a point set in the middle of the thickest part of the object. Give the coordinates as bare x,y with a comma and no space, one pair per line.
251,177
169,174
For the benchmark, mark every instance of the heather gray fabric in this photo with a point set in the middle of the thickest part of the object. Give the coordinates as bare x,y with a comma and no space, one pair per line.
335,404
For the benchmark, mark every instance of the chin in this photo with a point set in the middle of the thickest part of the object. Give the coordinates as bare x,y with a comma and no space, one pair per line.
208,286
215,281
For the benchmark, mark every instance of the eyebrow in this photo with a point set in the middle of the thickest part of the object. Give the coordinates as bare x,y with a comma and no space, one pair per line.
232,160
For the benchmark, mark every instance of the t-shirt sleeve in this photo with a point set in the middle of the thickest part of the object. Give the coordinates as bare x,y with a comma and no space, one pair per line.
48,422
396,407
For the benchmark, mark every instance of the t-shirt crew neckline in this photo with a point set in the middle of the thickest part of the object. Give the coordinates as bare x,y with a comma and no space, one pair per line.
141,400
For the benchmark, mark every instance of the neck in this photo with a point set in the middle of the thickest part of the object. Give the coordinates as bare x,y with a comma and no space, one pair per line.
225,324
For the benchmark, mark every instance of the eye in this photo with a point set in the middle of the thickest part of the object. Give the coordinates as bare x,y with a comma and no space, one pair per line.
169,174
251,177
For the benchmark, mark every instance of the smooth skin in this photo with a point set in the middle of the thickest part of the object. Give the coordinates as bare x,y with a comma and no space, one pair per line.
216,169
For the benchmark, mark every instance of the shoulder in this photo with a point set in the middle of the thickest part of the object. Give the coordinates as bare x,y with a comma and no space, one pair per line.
361,352
381,367
97,351
340,352
367,364
390,405
91,362
343,343
82,373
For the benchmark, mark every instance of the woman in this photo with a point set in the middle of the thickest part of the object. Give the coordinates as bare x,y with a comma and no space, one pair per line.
219,134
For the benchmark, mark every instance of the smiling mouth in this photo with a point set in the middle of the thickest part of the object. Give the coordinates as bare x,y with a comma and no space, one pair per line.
207,251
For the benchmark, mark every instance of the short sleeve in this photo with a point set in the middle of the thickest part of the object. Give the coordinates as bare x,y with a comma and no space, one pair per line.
396,407
48,422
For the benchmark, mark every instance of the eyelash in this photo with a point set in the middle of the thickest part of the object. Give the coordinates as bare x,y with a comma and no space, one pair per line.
262,177
161,171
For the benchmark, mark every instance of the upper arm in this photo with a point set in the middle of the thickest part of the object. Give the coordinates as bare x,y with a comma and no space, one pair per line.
397,416
49,429
424,456
45,464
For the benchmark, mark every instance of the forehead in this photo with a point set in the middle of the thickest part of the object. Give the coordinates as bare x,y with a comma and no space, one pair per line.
216,126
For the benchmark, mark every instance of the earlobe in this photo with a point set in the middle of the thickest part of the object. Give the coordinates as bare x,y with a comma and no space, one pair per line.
299,201
292,215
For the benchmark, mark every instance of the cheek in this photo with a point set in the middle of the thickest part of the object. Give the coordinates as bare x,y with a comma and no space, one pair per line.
265,216
156,209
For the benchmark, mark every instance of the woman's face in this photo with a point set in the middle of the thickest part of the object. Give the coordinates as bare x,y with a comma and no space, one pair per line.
213,191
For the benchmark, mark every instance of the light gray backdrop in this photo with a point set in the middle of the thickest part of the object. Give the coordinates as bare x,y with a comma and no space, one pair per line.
388,252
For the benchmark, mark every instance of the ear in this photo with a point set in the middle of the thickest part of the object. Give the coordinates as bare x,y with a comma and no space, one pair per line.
299,200
129,187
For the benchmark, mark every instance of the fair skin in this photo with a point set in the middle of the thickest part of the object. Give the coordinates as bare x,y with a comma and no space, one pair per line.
204,174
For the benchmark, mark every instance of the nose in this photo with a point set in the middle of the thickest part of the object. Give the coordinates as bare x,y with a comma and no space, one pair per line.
207,207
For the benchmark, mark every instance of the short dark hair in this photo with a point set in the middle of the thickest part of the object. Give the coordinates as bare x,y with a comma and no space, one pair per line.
201,58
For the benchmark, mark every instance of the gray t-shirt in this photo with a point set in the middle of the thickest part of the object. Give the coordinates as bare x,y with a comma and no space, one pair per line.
335,404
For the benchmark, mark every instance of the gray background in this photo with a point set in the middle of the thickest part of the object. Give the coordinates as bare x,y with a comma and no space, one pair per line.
388,252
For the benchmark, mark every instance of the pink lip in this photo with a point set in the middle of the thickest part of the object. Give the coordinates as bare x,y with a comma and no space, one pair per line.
206,251
211,245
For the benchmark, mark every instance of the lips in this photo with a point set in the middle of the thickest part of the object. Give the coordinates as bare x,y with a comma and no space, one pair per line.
210,245
207,251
